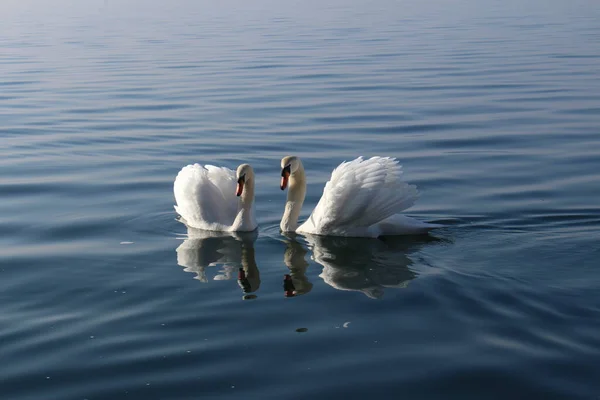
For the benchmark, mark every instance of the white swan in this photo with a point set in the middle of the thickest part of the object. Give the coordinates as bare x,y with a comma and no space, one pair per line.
363,198
206,198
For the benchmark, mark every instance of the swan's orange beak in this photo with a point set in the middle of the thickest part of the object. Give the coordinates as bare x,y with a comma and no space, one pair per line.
284,181
240,186
285,176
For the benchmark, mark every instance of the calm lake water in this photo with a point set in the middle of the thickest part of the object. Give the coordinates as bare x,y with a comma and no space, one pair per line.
493,108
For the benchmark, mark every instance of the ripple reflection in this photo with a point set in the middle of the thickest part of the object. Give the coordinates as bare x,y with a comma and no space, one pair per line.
366,265
228,251
296,282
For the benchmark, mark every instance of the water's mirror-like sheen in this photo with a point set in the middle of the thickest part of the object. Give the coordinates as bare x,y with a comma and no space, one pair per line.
491,107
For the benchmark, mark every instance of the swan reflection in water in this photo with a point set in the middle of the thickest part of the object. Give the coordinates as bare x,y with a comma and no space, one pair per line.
366,265
295,283
233,252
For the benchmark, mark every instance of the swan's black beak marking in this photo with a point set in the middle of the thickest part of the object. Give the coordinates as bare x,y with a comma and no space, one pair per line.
240,185
285,175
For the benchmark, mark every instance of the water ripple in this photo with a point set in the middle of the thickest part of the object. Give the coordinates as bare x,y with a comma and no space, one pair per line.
493,112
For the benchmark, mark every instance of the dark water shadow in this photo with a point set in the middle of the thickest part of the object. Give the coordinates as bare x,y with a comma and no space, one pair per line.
367,265
231,252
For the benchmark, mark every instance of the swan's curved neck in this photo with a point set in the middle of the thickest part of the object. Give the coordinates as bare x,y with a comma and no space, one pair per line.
247,197
245,215
295,199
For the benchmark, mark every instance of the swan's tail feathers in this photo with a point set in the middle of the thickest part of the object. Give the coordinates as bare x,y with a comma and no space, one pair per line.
361,193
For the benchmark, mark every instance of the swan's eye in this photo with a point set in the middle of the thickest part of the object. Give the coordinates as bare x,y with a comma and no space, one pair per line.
242,179
286,170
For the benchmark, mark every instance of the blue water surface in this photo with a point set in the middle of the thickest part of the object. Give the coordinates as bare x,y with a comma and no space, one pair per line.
492,107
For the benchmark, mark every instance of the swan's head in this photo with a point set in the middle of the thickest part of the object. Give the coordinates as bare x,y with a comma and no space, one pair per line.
289,165
243,174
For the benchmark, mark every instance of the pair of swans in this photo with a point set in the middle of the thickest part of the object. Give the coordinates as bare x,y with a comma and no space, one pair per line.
363,198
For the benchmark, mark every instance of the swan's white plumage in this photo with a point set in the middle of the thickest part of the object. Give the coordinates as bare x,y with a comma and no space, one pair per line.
205,197
363,198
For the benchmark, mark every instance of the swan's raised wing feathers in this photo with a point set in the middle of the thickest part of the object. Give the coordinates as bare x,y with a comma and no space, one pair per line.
205,196
361,193
224,180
